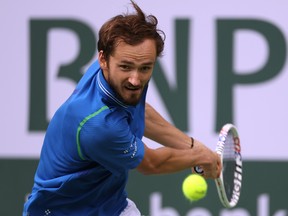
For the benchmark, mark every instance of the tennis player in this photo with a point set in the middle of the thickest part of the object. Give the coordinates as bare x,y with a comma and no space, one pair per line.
94,138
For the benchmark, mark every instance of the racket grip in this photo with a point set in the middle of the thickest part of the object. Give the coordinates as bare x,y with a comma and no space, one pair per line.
198,170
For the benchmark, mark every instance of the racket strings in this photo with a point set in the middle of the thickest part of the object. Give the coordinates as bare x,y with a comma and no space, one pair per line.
229,165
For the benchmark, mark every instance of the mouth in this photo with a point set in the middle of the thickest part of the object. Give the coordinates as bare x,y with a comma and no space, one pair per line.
133,88
131,94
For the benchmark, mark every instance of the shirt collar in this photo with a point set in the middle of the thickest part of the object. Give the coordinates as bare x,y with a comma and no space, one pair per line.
107,91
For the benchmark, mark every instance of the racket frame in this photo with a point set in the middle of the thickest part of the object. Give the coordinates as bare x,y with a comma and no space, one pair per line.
238,171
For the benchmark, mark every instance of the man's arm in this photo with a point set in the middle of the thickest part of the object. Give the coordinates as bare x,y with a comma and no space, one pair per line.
161,131
168,160
178,154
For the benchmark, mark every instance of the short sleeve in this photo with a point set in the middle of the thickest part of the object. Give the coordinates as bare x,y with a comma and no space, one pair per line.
107,139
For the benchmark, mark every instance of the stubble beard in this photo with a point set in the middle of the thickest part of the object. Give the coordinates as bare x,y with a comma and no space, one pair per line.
133,100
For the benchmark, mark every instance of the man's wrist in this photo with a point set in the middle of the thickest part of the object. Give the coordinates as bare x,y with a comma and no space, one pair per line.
192,142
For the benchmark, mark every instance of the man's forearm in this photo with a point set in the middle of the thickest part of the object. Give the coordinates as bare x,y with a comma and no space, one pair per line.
161,131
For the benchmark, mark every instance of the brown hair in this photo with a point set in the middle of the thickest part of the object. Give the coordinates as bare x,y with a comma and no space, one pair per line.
132,29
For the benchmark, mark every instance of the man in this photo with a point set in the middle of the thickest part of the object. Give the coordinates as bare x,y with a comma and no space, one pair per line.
94,138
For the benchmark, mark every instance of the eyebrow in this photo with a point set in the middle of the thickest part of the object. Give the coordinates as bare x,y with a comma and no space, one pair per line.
132,63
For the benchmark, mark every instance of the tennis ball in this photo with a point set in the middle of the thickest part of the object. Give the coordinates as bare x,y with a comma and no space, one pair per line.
194,187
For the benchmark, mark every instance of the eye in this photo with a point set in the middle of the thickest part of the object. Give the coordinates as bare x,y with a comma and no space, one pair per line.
145,68
125,67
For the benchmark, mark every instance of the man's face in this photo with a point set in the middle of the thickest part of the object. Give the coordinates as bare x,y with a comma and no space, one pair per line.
129,69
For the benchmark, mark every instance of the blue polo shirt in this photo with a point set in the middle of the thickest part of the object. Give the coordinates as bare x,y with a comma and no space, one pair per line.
91,143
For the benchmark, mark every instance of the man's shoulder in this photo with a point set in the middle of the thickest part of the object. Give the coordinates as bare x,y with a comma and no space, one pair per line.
109,117
104,124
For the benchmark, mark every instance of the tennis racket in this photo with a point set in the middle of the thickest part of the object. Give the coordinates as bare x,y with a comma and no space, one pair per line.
230,180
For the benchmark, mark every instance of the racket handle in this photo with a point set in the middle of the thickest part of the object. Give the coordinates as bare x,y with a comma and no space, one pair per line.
198,170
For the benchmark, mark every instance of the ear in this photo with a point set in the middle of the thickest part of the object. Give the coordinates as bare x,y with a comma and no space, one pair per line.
102,61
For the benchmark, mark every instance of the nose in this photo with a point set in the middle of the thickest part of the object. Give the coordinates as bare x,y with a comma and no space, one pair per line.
134,78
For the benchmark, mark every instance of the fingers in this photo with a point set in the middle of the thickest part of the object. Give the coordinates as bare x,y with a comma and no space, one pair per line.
219,166
210,162
213,169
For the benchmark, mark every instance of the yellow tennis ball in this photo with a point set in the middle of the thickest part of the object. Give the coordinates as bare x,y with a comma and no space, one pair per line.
194,187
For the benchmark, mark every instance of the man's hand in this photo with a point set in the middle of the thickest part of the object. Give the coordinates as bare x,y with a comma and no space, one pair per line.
210,162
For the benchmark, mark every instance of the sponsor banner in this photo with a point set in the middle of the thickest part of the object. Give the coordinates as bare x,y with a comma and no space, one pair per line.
263,193
222,62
